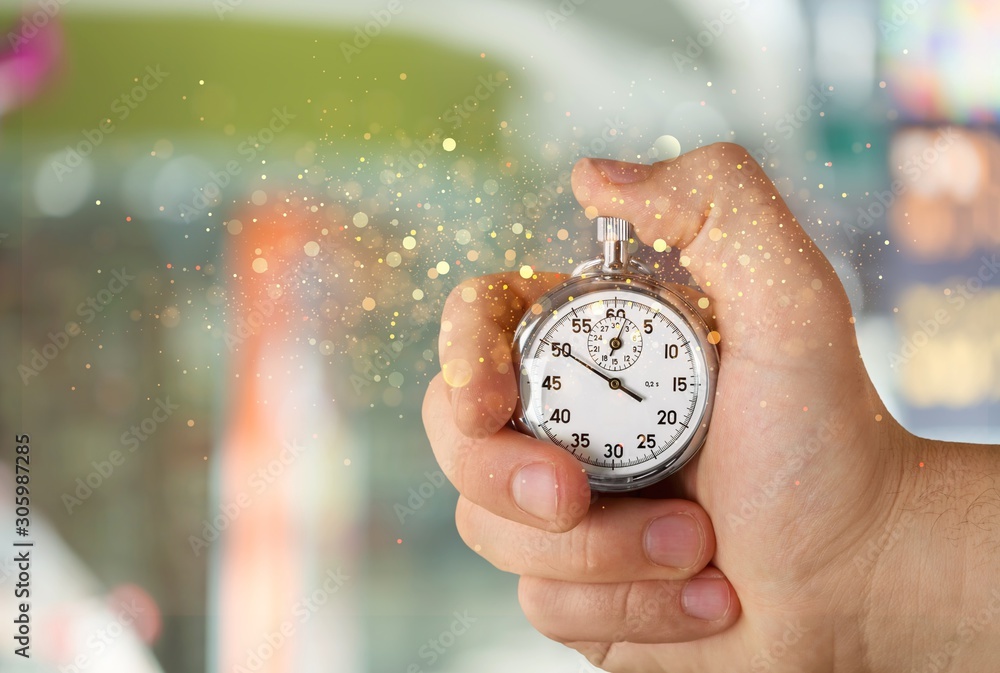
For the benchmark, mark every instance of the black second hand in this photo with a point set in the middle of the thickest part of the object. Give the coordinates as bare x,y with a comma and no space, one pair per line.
608,379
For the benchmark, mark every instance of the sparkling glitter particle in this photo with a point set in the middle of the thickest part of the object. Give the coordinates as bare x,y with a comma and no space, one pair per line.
360,220
666,147
368,304
457,373
311,248
259,265
449,144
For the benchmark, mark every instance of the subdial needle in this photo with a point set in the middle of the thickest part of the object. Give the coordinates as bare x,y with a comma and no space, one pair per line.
616,343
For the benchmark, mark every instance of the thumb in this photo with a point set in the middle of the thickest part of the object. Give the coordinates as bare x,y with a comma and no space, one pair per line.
774,295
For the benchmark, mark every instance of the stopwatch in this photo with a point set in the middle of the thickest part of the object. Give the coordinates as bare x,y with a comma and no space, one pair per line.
617,369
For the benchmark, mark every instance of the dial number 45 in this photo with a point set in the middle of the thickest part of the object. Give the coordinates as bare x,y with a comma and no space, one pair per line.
552,383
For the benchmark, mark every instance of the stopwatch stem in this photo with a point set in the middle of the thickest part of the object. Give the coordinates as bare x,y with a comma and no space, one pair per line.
615,233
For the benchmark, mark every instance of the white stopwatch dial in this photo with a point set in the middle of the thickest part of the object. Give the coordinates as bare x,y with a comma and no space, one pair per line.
616,369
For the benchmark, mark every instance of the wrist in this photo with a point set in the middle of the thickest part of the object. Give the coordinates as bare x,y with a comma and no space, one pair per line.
934,579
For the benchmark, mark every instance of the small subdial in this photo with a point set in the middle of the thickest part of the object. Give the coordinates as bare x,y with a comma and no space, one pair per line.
615,343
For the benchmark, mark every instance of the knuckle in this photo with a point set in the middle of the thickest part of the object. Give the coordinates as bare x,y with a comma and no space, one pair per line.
641,605
429,408
628,608
463,471
580,553
454,298
728,153
462,523
536,600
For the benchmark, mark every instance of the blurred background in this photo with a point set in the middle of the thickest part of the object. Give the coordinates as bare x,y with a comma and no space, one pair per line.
228,228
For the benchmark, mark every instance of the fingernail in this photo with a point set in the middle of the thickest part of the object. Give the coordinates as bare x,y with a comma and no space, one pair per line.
534,490
621,172
706,598
674,541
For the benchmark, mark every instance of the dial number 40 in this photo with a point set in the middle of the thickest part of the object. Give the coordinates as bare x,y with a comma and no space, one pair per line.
560,416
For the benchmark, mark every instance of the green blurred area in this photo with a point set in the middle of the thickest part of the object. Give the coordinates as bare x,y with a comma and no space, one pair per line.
248,68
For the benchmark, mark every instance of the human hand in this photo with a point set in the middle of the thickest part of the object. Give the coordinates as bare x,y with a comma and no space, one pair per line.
807,497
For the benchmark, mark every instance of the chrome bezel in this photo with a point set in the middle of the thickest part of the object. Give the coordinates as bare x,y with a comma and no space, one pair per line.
583,285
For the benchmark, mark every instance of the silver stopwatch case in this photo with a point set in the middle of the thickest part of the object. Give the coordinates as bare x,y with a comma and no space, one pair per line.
607,283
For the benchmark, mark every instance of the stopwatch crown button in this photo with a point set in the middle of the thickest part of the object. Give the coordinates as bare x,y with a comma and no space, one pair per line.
611,229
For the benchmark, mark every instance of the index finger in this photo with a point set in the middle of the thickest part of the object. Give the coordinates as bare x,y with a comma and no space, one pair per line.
477,329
